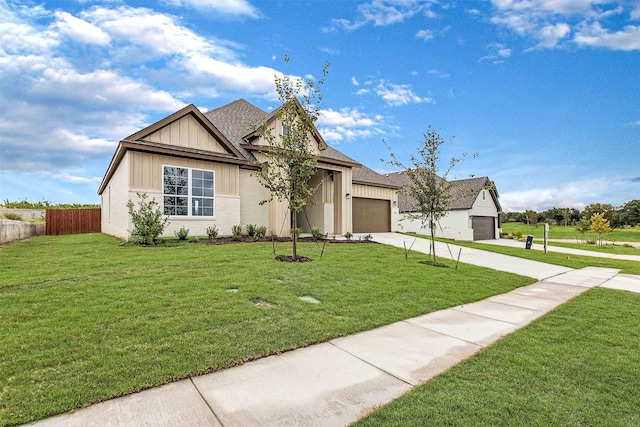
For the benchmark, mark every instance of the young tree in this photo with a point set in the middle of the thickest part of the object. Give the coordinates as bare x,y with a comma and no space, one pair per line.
583,226
600,225
289,162
432,193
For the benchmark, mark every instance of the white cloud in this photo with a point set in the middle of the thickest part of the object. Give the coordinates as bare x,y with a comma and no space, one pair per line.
363,91
500,52
573,194
227,7
354,81
348,124
549,22
550,35
399,94
59,114
382,13
425,35
74,179
595,36
80,30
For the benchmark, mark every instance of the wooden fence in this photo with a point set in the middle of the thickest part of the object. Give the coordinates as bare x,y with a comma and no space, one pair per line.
73,221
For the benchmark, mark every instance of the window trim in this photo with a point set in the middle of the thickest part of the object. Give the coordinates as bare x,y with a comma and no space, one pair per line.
190,195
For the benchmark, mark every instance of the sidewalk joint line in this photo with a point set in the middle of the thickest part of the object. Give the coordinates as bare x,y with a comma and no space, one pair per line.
371,364
205,401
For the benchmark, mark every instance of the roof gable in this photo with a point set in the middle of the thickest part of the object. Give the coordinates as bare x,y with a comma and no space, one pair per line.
187,128
464,192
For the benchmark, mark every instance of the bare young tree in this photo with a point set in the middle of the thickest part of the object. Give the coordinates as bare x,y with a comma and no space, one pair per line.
429,188
290,162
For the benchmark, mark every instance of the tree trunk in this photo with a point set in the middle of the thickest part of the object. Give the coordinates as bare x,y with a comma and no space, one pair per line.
433,240
294,221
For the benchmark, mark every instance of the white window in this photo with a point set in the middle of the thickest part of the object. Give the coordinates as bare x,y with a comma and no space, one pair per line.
188,192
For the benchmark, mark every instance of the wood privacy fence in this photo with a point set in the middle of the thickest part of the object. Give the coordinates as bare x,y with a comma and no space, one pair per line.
73,221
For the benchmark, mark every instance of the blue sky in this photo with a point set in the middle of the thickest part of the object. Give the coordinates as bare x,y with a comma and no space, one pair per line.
547,92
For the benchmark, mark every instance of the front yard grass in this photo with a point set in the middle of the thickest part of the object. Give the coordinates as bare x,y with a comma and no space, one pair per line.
84,318
557,258
569,232
577,366
607,249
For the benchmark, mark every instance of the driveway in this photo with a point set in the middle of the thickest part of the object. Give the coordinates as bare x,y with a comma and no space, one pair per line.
523,267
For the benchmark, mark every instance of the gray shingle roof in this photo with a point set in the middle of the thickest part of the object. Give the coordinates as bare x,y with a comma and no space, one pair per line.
238,118
235,120
463,192
363,174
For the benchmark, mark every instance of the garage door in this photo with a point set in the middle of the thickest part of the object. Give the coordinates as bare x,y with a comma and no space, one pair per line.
371,215
483,227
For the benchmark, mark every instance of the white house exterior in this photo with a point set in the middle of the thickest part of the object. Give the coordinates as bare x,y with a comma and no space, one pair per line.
473,215
199,168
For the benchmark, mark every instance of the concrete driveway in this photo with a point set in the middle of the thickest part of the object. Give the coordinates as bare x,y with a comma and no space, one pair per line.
523,267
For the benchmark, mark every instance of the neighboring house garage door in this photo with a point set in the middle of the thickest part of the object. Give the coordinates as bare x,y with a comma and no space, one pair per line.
483,227
371,215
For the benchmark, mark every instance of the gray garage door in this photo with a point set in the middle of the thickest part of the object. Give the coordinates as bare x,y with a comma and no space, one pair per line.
483,227
371,215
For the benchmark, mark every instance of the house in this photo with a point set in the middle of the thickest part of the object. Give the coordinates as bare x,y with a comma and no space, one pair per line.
199,168
473,212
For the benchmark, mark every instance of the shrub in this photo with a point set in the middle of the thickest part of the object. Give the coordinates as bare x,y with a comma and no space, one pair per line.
236,231
348,235
504,235
182,233
317,233
13,216
591,241
148,220
627,245
251,229
261,231
212,232
368,237
517,234
295,231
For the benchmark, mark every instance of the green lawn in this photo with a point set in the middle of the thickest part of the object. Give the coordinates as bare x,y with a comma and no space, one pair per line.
84,318
577,366
607,249
567,260
560,232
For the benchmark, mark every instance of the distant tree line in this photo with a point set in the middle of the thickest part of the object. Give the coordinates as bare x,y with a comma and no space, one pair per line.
627,215
44,204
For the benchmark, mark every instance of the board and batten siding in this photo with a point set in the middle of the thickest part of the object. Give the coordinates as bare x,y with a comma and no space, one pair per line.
146,172
187,132
371,192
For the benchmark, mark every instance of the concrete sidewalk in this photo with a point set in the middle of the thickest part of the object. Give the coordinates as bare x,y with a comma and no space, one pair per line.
523,267
560,249
337,382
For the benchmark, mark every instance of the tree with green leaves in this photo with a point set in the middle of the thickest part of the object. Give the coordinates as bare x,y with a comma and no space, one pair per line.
532,217
431,191
600,225
583,226
630,213
289,163
148,220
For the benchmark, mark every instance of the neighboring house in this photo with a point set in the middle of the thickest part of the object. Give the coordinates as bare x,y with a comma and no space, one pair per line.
199,168
473,212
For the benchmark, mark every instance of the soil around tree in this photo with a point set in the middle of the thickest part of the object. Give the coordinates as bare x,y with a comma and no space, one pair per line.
291,258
